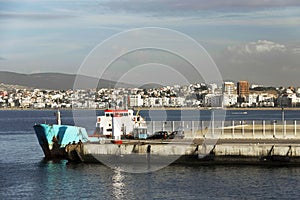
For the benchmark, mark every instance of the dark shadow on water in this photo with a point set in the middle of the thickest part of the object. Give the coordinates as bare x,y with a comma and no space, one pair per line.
46,161
267,166
65,164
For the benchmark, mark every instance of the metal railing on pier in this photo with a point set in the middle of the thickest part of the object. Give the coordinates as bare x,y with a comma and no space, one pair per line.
231,129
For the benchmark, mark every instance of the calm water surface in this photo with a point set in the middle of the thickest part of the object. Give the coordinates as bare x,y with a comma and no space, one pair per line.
24,174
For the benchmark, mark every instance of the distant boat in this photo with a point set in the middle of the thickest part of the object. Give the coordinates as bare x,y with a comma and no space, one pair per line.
240,113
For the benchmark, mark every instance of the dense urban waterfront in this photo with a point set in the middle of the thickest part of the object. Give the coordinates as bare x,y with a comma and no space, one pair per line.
25,175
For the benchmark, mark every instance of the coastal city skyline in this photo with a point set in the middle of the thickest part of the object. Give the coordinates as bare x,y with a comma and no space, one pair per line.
198,95
256,41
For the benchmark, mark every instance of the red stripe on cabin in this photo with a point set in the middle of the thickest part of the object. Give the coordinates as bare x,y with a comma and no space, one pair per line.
112,111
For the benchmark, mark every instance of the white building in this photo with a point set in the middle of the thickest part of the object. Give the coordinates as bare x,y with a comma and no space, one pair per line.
229,99
166,101
213,100
252,100
266,100
213,87
295,100
39,105
178,101
135,100
153,102
255,86
298,91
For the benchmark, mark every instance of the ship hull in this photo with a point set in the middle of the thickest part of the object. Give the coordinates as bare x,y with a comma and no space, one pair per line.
54,138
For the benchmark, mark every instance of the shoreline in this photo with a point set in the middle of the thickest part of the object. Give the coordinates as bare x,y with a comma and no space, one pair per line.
157,108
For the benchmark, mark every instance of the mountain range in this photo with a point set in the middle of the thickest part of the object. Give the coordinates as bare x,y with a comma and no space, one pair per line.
61,81
55,81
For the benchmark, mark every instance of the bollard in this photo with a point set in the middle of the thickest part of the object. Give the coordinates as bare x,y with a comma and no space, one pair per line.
193,128
274,129
295,128
253,128
153,126
243,128
173,126
222,130
232,128
213,125
284,128
264,128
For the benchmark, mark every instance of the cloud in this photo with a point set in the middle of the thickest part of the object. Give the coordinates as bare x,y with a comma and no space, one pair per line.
33,15
261,46
157,12
193,5
264,61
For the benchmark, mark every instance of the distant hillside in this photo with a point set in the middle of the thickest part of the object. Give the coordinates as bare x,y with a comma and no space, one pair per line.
151,86
57,81
11,87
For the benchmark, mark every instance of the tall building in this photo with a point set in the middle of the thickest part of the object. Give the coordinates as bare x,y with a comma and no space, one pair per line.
243,89
228,88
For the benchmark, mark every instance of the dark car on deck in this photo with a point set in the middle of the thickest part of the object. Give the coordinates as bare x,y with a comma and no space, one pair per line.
159,135
178,134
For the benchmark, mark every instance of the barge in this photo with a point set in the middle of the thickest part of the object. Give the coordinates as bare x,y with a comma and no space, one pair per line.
53,138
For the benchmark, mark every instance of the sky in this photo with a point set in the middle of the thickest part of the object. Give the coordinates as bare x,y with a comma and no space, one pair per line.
257,40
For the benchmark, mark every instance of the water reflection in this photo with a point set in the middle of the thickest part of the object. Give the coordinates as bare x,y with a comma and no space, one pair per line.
118,184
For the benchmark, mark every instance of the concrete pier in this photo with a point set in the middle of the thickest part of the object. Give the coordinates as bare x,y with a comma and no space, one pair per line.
236,142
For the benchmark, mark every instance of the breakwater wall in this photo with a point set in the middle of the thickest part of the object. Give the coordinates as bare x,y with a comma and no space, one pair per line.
235,142
197,151
221,148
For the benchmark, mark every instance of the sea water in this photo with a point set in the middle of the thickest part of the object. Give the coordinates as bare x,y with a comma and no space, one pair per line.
24,174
